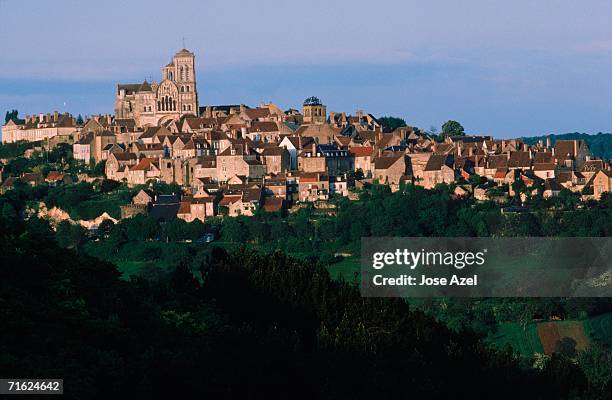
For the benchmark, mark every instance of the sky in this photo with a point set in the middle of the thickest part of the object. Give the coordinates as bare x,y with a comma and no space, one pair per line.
505,68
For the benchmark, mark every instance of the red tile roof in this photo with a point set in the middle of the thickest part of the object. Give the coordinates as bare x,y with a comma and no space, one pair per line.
361,151
144,164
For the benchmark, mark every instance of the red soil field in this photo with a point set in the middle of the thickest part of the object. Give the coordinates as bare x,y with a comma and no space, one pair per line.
551,332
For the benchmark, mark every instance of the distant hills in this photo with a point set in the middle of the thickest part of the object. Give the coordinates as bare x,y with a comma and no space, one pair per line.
600,144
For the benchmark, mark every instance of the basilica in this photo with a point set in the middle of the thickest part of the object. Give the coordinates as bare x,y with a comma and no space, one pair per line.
151,103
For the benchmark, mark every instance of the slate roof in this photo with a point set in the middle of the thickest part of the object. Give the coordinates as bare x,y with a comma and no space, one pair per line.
273,204
263,126
124,156
165,212
564,148
552,184
497,161
544,167
436,161
386,162
255,113
543,157
519,159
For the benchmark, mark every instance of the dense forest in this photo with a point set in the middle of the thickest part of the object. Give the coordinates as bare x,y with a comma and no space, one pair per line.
250,320
238,325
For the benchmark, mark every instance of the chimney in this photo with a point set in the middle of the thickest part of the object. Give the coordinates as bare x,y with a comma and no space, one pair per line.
55,116
547,141
471,151
314,149
360,114
208,112
379,152
242,108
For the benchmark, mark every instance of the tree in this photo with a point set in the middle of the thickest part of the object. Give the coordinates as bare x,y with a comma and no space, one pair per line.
98,169
452,128
79,120
475,180
12,116
108,185
391,123
69,235
105,228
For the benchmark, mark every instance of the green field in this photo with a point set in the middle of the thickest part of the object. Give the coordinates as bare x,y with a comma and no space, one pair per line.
99,204
525,340
345,268
599,329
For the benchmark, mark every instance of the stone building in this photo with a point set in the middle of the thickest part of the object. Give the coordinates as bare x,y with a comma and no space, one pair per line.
42,127
314,111
154,103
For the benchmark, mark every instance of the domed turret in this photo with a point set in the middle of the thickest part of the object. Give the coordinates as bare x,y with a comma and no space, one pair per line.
313,101
314,111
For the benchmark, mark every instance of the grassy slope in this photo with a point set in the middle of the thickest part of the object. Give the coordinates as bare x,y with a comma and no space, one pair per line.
599,329
527,341
523,339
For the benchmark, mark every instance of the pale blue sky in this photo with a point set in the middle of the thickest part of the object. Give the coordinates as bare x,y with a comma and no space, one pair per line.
504,68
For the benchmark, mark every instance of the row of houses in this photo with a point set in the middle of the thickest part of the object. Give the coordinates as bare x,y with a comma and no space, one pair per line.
228,153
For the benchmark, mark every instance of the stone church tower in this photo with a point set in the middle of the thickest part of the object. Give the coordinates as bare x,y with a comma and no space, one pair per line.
154,103
314,111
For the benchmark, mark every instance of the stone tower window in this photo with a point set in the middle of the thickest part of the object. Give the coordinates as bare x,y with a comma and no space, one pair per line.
182,75
186,73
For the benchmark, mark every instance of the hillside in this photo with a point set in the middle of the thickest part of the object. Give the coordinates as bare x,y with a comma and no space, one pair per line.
600,144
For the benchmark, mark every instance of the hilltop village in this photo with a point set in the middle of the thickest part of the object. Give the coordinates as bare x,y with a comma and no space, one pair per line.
235,159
